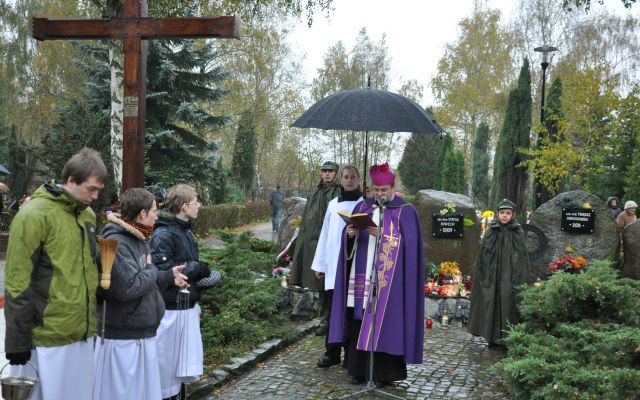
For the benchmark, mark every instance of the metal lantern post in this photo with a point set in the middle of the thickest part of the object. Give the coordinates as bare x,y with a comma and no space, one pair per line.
542,193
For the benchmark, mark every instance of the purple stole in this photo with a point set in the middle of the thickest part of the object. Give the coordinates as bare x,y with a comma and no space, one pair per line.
385,267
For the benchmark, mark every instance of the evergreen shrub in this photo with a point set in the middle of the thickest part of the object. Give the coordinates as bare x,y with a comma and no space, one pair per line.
580,338
240,311
222,216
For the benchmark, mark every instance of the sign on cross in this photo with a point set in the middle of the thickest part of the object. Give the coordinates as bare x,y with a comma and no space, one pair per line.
133,29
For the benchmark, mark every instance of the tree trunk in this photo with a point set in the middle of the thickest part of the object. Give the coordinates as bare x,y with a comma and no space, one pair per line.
116,61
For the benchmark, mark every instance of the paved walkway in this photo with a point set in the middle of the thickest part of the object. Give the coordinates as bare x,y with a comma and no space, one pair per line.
456,366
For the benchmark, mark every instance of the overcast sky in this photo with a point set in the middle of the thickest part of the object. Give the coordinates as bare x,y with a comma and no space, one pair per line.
417,32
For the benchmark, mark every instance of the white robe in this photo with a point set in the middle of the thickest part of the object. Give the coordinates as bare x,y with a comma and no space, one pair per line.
179,349
328,248
65,372
127,369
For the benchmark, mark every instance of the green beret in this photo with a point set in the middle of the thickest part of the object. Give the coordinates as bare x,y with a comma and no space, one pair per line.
330,165
506,203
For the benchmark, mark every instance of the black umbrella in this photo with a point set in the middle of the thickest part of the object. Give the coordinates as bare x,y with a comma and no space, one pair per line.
4,171
368,110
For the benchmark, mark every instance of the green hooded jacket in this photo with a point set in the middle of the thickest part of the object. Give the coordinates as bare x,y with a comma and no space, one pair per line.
51,274
501,266
307,241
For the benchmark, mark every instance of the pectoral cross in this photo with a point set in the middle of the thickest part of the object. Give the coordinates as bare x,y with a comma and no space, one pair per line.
133,29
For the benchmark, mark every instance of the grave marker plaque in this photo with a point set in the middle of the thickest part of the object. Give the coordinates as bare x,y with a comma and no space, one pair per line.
578,220
447,226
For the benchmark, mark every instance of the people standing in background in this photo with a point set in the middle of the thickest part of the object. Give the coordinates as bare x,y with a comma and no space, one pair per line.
628,216
307,241
276,200
614,206
327,254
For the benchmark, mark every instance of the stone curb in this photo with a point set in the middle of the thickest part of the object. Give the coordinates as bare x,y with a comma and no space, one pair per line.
248,360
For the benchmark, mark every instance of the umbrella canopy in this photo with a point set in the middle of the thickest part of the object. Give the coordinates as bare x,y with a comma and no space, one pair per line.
368,110
3,188
4,171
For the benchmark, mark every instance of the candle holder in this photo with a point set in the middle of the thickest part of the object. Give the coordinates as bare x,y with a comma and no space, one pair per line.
445,319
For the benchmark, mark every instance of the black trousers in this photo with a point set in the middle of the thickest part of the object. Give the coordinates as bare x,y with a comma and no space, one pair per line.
331,349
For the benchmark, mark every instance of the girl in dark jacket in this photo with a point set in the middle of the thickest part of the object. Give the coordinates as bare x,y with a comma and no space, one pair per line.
126,362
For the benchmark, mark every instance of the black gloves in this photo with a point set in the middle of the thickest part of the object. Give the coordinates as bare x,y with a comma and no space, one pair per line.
203,270
19,358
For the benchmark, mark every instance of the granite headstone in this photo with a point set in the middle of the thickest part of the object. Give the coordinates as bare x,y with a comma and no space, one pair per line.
292,208
631,247
463,249
600,244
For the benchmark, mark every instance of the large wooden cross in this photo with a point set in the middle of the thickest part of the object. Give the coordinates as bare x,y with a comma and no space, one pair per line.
133,28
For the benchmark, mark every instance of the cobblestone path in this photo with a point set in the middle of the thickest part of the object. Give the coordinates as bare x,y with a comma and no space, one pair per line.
457,366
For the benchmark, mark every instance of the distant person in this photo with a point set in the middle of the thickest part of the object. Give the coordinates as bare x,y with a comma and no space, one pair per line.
501,266
276,200
310,226
179,337
127,362
397,333
327,254
628,216
614,206
51,280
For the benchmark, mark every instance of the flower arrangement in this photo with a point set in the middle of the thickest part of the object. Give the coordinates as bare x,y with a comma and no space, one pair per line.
446,280
296,221
449,208
488,214
449,268
568,262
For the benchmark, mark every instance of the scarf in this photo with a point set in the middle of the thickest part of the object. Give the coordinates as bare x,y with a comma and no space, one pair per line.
146,230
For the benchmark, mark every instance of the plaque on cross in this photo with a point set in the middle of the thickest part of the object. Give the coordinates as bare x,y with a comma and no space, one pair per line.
133,29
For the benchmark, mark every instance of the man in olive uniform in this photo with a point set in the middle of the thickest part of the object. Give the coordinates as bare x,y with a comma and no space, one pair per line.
307,241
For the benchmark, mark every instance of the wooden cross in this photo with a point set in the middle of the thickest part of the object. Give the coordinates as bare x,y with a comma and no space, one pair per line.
133,29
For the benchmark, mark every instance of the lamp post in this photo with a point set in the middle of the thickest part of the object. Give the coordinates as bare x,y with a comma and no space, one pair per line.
542,193
545,50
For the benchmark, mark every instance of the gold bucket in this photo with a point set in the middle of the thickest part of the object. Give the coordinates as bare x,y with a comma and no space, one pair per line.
18,387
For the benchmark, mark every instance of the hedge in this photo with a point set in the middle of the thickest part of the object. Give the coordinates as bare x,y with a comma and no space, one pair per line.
222,216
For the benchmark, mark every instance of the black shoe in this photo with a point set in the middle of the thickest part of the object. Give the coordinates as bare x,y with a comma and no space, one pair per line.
321,331
326,361
358,380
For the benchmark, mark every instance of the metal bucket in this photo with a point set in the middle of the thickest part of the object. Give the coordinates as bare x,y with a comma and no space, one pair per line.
18,387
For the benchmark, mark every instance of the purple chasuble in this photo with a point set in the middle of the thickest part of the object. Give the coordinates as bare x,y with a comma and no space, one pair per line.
399,325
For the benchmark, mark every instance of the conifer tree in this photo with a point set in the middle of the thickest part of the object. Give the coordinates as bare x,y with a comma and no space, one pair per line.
460,172
509,180
418,166
447,146
244,151
182,86
552,116
480,166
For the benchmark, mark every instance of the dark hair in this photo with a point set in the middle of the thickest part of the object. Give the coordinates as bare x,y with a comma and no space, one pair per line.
180,195
84,164
352,168
133,201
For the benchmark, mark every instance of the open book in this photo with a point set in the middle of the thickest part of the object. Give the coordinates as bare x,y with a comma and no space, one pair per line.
359,221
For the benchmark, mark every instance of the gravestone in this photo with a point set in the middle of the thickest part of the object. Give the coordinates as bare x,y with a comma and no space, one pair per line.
463,249
631,247
292,208
600,244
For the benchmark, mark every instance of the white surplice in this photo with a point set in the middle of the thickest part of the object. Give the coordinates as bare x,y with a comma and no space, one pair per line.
65,372
127,369
179,349
328,248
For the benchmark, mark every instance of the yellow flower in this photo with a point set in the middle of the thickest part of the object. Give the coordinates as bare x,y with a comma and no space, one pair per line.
569,249
296,221
488,214
586,205
450,268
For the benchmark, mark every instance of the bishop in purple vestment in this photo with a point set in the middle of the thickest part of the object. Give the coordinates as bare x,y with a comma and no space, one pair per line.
396,270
